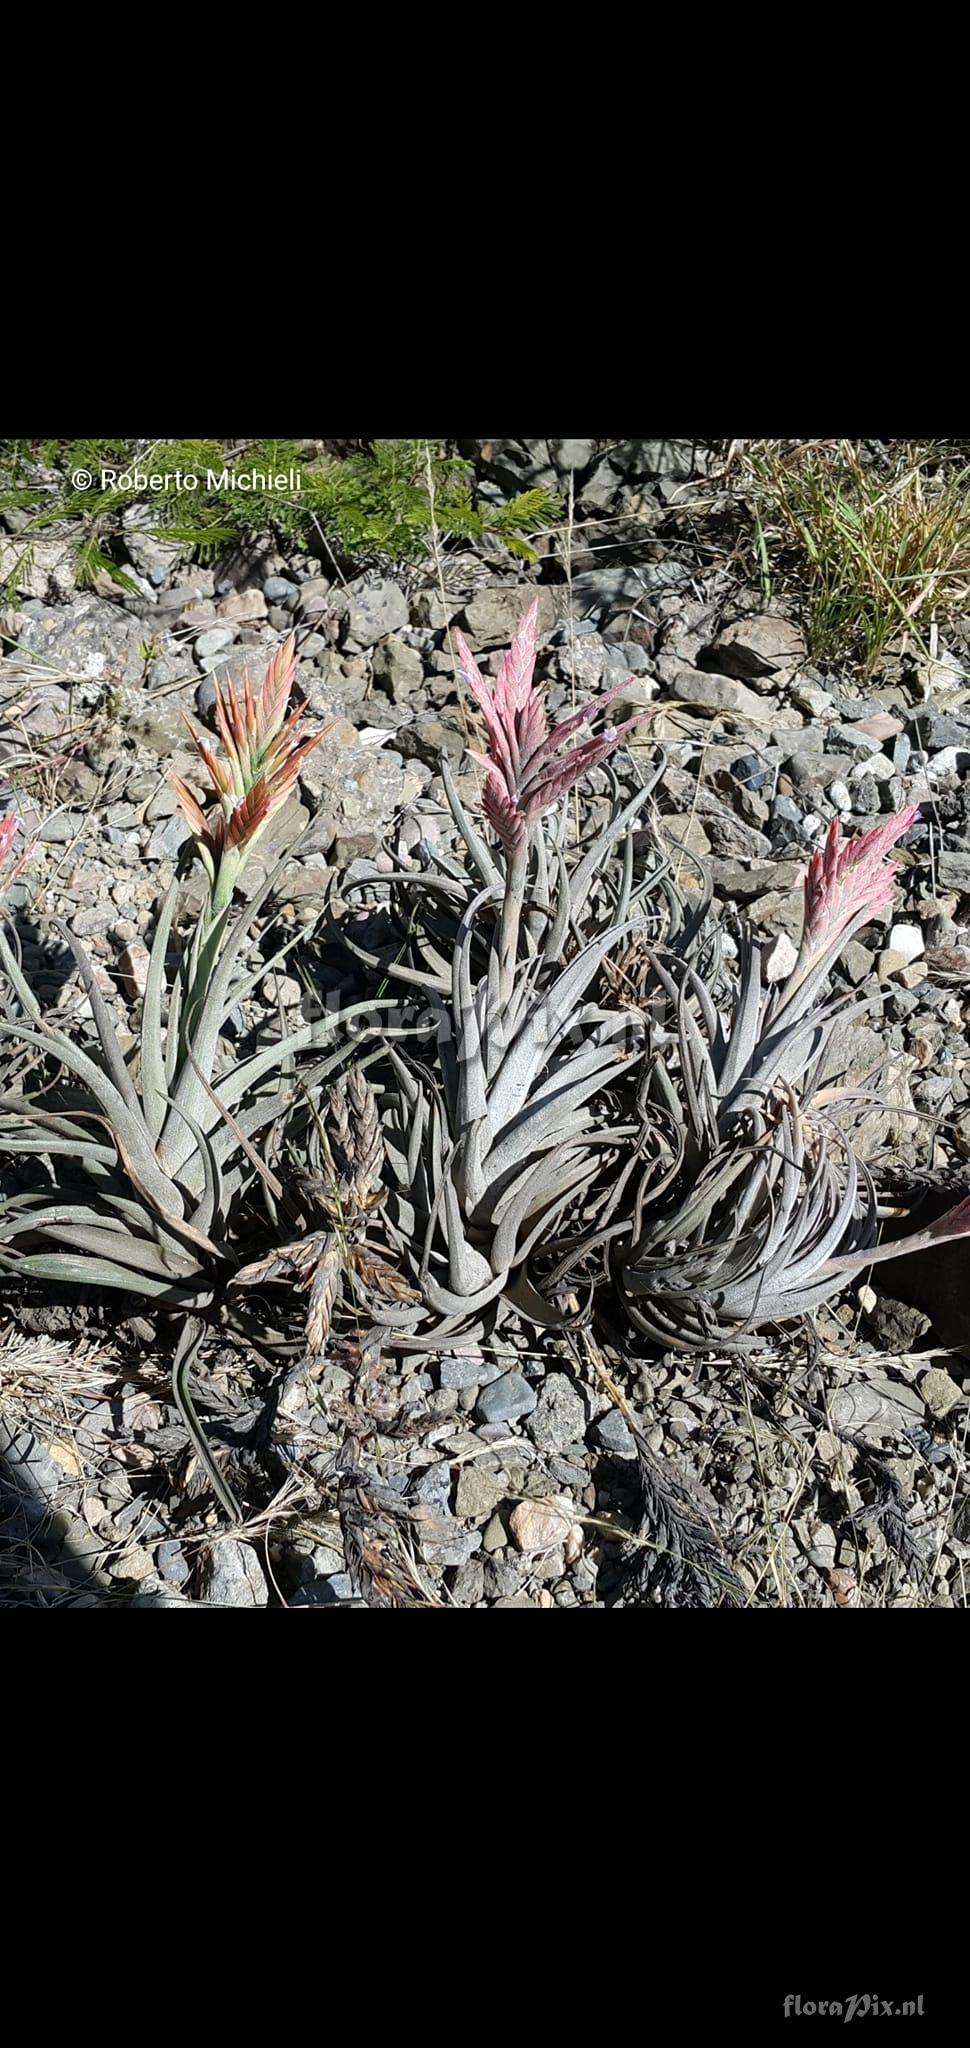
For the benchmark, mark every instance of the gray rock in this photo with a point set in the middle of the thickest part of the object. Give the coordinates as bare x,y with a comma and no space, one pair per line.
940,1392
171,1563
244,607
432,1487
600,490
949,761
566,1472
205,698
427,737
316,597
933,730
953,871
506,1399
156,559
442,1541
819,1543
60,829
493,616
584,659
478,1493
574,455
711,692
168,838
848,740
398,669
742,881
277,589
856,961
874,1408
92,639
727,834
214,641
677,459
759,647
324,1592
559,1417
613,1434
878,766
810,697
467,1372
468,1584
160,1596
375,611
235,1576
501,1576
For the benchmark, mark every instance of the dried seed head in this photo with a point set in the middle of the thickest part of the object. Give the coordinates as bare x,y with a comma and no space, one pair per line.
323,1290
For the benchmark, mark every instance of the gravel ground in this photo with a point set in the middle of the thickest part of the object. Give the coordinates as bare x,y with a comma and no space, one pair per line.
532,1471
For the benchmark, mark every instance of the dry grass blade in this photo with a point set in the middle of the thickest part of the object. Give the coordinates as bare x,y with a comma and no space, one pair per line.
879,550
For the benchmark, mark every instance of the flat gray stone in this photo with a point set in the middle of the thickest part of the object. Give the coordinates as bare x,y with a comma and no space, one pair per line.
235,1577
506,1400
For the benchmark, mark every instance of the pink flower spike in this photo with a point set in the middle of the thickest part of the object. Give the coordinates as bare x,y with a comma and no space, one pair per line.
515,679
504,815
501,736
584,716
559,776
524,776
9,828
848,884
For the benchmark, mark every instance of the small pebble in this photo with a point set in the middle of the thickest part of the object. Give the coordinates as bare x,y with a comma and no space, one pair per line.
613,1434
939,1391
506,1399
906,939
539,1525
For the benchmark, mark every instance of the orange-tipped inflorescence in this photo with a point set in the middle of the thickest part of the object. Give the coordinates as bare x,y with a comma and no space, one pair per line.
523,776
264,752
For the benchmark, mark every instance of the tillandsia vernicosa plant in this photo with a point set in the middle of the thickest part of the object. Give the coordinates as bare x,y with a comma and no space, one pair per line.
549,889
754,1208
512,1140
526,772
148,1163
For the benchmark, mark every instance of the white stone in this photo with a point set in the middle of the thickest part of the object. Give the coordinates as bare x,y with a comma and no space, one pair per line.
877,765
949,761
780,961
907,939
839,795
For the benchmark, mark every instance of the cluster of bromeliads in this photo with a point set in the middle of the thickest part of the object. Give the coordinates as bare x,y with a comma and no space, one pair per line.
555,1092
